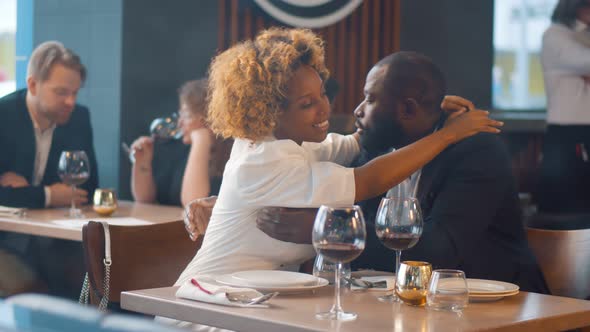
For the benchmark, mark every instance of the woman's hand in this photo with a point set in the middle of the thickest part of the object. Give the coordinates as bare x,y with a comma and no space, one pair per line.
143,151
462,124
197,214
452,104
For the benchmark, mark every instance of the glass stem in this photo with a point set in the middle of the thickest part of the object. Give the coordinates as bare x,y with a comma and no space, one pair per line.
337,308
398,255
73,208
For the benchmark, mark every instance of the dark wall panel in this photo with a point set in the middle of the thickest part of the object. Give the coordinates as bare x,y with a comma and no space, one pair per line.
458,35
164,45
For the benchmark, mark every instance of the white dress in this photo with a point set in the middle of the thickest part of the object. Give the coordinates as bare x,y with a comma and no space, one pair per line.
271,172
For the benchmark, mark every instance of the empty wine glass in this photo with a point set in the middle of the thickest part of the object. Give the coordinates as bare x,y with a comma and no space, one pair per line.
398,225
339,236
166,127
74,169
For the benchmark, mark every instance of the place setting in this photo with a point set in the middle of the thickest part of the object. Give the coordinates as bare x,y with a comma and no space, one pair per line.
251,288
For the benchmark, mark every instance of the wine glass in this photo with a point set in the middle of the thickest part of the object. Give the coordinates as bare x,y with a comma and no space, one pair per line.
166,127
323,268
339,236
73,169
398,225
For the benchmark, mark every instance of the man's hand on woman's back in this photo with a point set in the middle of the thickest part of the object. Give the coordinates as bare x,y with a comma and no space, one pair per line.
285,224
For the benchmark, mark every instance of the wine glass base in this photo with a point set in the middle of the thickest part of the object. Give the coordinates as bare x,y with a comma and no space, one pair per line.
336,315
389,298
75,213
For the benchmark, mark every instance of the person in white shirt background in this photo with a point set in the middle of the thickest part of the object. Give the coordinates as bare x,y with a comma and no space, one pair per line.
268,94
564,181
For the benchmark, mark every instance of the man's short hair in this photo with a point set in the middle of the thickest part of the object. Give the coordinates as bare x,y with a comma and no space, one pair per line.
49,53
413,75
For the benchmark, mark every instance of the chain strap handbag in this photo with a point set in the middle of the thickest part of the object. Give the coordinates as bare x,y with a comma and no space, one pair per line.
107,262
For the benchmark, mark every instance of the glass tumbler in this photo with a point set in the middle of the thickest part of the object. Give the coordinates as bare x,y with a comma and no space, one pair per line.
411,284
447,291
105,202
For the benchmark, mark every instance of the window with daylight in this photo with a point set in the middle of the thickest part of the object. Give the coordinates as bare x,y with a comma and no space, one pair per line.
7,46
517,77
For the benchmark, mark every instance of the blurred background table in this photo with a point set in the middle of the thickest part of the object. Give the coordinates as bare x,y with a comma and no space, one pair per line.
42,222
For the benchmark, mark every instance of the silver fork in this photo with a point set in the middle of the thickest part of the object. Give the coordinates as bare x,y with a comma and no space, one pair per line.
366,283
242,299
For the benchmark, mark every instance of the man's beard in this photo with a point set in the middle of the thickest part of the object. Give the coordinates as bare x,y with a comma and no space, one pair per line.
382,137
56,117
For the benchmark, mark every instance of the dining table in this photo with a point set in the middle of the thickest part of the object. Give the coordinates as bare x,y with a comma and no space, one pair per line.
55,222
296,312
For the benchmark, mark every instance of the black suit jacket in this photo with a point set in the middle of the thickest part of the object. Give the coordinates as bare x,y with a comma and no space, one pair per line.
472,218
17,150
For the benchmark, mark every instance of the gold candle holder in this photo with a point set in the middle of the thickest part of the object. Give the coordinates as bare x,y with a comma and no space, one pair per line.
105,202
411,284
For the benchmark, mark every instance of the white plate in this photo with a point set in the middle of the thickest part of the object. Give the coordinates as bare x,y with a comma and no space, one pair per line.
490,287
490,297
273,278
228,279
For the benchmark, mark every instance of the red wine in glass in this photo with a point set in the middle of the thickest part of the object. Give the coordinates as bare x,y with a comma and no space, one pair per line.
339,252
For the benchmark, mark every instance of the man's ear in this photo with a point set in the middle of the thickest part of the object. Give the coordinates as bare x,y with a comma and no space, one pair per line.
409,108
32,85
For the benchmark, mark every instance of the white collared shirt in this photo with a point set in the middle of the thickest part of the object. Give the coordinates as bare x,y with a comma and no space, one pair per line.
42,147
43,140
406,188
271,172
565,61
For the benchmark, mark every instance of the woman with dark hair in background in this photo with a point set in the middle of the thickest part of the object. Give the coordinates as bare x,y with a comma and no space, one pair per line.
564,184
174,173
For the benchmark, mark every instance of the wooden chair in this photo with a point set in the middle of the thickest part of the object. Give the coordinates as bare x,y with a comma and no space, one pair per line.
564,257
142,257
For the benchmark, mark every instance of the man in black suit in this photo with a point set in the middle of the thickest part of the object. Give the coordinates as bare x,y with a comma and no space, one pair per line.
38,123
468,194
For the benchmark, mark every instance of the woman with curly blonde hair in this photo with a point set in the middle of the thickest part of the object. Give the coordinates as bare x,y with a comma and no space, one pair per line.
268,94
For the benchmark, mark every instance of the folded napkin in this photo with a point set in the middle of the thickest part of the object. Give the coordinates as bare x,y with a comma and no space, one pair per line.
206,290
387,286
6,211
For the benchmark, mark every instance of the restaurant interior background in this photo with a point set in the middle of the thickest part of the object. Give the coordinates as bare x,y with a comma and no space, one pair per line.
138,52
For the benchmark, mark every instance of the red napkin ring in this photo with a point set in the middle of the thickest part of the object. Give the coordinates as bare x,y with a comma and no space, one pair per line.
196,283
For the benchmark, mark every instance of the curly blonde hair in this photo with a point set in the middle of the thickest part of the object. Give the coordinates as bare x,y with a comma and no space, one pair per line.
248,82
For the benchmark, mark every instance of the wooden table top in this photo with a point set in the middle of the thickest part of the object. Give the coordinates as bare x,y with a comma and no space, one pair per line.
522,312
53,222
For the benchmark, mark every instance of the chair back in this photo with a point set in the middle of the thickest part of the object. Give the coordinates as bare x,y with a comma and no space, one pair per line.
146,256
564,258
